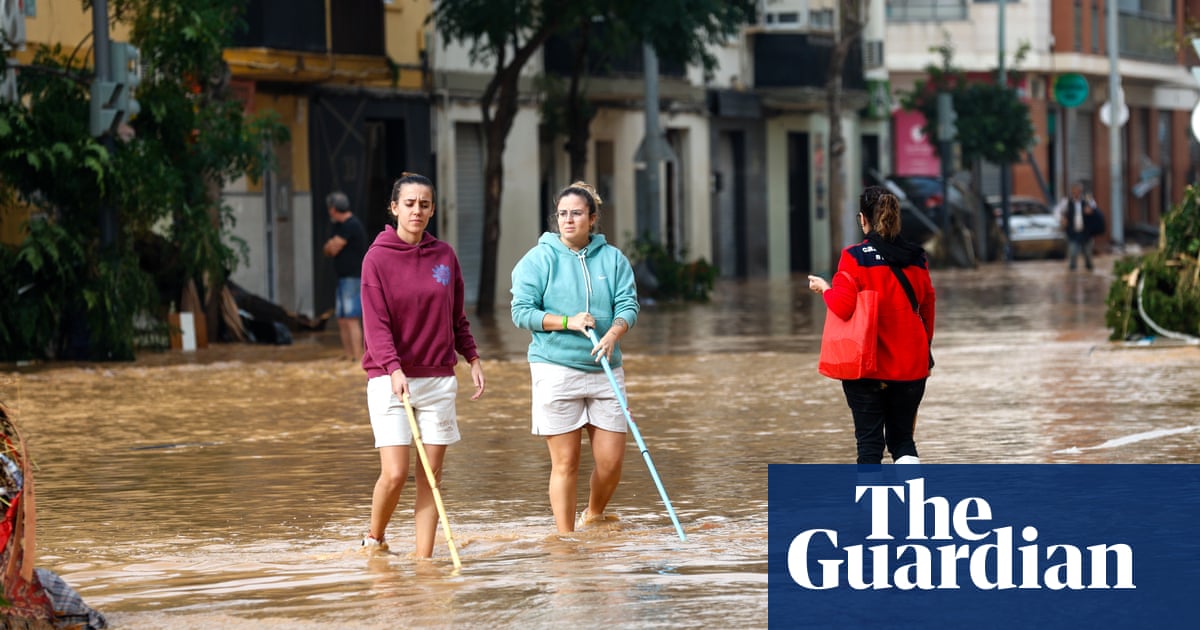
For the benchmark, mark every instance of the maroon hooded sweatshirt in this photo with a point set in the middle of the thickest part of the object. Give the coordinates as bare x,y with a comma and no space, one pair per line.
413,310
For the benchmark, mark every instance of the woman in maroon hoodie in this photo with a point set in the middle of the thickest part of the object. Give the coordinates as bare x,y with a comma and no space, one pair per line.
884,403
413,324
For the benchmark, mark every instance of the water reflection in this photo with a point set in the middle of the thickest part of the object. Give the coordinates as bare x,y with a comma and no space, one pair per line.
228,487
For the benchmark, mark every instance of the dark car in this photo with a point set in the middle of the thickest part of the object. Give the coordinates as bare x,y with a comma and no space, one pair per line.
922,203
924,191
922,214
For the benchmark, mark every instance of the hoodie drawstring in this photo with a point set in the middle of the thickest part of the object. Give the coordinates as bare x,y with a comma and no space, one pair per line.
587,279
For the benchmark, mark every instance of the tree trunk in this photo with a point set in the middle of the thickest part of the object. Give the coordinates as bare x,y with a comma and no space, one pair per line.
496,128
499,107
578,114
579,125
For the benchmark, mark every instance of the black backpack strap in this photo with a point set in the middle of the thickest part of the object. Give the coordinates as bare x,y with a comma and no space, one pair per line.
912,295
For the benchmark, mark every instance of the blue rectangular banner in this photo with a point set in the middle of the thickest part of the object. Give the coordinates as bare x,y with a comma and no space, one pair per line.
948,545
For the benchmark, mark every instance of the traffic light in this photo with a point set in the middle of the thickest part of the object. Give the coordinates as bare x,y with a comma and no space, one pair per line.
102,110
126,68
112,101
947,128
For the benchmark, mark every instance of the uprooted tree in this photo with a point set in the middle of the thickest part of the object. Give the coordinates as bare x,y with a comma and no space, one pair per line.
1158,294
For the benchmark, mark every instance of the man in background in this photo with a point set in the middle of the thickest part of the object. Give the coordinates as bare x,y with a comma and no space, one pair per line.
1082,221
347,247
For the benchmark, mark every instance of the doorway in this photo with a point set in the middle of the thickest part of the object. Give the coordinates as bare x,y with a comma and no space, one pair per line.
799,166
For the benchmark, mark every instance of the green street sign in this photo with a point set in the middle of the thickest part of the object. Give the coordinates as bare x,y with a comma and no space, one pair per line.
1070,89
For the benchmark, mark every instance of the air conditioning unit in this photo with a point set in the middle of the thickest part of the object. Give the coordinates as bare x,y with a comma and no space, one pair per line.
872,54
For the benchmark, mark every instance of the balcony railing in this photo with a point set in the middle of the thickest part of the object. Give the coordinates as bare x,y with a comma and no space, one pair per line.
1148,37
356,26
802,60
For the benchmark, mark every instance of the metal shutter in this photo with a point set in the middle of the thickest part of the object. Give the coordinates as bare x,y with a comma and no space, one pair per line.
468,184
1079,149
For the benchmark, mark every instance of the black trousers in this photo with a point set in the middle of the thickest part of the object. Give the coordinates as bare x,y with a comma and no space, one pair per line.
885,414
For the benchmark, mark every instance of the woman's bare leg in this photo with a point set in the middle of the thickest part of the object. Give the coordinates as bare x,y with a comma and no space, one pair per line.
564,476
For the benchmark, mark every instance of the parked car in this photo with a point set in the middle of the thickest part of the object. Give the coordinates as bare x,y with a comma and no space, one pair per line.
1035,228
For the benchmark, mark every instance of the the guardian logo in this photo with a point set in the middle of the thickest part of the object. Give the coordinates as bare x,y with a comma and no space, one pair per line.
983,546
926,542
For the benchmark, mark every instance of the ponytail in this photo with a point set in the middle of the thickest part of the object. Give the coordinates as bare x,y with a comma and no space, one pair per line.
881,209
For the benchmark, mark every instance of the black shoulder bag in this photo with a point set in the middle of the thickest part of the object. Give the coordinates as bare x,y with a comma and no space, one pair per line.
912,298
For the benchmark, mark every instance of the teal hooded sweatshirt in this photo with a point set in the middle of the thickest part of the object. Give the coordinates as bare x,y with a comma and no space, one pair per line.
552,279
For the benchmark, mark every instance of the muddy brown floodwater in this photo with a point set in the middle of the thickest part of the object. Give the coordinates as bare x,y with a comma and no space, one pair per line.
228,487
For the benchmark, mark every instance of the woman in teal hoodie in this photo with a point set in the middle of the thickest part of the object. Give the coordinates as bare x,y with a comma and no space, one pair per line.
571,281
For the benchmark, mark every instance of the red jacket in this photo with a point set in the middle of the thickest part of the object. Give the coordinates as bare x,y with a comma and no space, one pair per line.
904,336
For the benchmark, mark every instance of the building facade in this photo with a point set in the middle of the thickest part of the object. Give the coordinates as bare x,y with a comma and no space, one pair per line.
349,80
367,90
1067,38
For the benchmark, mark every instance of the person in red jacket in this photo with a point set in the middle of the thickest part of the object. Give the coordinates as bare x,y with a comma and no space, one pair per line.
414,323
884,402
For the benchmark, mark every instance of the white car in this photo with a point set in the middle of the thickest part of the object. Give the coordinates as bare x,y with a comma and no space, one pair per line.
1036,230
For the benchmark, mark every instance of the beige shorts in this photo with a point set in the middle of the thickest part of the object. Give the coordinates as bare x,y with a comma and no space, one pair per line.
432,401
566,399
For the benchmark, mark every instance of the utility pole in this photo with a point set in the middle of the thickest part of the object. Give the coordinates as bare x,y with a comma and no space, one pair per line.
1006,169
1115,107
103,67
649,154
946,131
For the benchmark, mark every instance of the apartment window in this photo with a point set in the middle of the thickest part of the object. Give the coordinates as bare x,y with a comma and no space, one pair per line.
784,17
1078,27
1164,9
1095,28
1145,29
926,10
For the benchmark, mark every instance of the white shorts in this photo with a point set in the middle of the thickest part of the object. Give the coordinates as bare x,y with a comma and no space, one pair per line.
565,399
432,401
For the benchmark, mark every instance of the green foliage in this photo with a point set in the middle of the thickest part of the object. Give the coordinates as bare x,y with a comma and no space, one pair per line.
1169,277
683,31
1181,226
43,269
557,103
191,138
662,276
1120,316
992,124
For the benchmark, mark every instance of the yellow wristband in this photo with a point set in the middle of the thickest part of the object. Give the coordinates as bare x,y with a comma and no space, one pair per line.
564,322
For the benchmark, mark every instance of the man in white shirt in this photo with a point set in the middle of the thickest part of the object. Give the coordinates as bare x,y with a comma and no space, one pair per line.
1082,221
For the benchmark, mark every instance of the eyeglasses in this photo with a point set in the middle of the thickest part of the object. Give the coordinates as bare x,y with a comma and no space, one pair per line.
574,214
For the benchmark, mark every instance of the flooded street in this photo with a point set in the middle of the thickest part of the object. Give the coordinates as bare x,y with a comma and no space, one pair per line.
229,487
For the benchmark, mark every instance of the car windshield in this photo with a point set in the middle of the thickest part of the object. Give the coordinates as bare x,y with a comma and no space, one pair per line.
919,186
